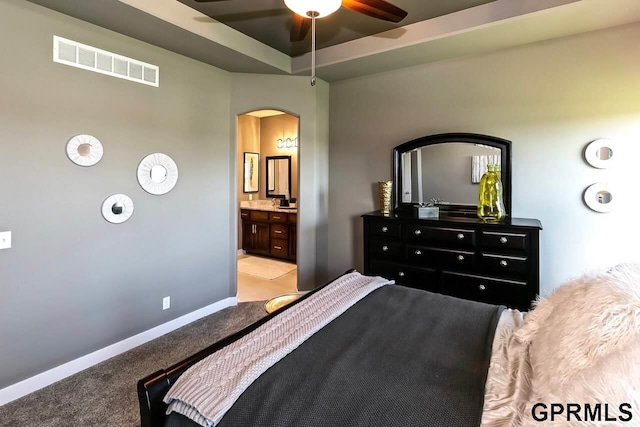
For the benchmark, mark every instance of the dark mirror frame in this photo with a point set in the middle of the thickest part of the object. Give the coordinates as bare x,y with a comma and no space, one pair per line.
266,189
471,138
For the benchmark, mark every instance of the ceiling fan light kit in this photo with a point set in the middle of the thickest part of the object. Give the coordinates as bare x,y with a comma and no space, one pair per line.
313,8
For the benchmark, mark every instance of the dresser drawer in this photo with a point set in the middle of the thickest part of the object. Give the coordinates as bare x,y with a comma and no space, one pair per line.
517,241
387,248
504,264
442,258
451,237
414,277
383,227
279,248
279,231
277,217
512,293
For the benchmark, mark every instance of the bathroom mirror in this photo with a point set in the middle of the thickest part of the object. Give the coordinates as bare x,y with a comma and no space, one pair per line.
599,198
278,177
600,153
157,173
448,167
84,150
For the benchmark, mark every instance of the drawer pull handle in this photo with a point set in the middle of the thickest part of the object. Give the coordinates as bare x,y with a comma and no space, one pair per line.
482,287
504,263
401,274
385,229
460,257
278,247
276,217
385,248
503,240
278,231
460,236
418,252
417,232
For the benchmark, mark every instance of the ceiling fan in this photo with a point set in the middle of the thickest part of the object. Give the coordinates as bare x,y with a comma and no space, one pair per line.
307,11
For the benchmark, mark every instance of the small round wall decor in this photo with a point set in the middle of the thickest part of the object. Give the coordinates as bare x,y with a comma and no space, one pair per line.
599,197
84,150
599,153
157,173
117,208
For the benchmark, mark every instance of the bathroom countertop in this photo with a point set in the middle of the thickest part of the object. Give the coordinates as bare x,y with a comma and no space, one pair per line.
265,206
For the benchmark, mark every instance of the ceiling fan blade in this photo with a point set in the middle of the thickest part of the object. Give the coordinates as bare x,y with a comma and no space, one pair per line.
299,28
376,8
207,1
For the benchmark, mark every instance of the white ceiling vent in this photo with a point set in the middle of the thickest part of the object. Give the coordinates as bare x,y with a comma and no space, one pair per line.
90,58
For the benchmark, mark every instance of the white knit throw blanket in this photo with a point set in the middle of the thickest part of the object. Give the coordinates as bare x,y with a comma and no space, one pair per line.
207,390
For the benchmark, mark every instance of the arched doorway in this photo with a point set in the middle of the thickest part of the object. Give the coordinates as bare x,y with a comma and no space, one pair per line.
267,156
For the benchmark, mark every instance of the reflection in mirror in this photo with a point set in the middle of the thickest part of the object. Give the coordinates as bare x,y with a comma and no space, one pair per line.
117,208
604,153
604,197
449,172
279,177
158,173
84,150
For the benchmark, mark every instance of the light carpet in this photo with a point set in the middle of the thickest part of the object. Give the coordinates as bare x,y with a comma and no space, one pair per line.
264,268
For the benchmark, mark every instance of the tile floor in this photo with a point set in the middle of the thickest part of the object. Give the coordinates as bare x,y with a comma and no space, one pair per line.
252,288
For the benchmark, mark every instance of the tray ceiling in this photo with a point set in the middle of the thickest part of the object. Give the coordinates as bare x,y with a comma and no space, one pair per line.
269,20
251,36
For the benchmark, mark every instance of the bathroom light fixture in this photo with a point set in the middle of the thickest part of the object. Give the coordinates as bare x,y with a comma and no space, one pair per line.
287,143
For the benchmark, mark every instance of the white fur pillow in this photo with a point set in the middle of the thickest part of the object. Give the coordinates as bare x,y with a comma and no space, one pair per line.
584,340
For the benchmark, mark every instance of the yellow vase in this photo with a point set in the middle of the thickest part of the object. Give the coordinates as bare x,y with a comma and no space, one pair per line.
490,203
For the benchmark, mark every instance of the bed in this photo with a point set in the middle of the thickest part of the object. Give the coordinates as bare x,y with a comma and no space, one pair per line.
383,355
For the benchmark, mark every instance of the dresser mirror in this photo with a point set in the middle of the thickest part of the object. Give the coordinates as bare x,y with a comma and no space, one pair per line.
278,177
447,168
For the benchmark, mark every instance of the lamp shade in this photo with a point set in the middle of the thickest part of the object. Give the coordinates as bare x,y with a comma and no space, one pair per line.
321,7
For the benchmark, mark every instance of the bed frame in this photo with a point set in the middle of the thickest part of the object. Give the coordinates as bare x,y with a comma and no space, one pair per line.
153,388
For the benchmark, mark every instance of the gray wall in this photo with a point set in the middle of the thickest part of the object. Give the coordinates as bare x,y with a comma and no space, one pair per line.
73,283
549,98
294,95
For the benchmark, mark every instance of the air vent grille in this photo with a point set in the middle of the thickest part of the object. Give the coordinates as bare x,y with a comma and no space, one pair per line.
90,58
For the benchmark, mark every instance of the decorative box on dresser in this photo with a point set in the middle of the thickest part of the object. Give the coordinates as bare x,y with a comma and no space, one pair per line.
464,257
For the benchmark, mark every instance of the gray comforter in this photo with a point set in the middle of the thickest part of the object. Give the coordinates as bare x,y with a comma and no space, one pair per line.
400,357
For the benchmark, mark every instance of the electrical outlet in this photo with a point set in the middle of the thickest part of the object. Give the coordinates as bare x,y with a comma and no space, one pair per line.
5,240
166,303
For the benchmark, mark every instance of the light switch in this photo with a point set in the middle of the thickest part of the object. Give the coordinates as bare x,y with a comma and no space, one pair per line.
5,240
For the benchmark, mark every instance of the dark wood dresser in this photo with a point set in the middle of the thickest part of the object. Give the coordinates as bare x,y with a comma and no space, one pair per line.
458,256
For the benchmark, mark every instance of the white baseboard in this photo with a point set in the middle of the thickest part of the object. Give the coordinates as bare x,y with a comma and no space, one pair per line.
58,373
